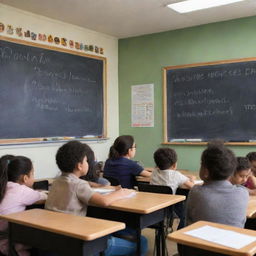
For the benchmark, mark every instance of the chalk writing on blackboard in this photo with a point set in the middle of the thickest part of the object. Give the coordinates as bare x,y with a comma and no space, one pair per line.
48,92
211,100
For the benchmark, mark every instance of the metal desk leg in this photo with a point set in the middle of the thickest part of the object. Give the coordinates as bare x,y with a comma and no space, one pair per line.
162,236
12,251
138,234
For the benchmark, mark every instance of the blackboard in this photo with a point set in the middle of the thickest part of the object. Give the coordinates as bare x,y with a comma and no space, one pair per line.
213,100
50,92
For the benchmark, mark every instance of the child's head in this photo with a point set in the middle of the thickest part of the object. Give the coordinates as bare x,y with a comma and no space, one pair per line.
252,158
123,146
165,158
242,171
73,156
217,162
17,169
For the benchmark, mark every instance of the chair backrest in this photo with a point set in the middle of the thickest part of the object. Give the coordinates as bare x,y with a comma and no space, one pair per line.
41,185
183,192
113,181
160,189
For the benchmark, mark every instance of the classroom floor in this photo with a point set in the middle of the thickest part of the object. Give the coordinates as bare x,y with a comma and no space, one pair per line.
150,235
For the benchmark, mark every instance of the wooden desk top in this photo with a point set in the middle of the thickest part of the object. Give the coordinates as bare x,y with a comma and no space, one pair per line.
85,228
144,202
182,238
251,210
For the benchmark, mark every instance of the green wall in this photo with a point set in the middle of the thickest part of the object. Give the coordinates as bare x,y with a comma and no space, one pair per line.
142,58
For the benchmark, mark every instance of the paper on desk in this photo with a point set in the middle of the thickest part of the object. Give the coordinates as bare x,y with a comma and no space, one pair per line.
221,236
130,195
103,190
198,181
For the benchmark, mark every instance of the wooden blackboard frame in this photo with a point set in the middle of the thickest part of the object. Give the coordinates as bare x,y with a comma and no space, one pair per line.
72,52
164,78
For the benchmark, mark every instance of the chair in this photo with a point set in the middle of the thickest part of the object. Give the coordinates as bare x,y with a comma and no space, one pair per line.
113,181
161,228
41,185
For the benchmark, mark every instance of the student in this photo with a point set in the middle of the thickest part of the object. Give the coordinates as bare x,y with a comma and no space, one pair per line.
251,186
119,164
16,180
166,174
251,181
242,172
93,175
70,194
217,200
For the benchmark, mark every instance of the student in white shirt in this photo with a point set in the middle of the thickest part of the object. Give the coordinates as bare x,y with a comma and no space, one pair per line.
166,174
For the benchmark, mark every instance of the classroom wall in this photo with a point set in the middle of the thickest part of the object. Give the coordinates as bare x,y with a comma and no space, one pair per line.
142,58
43,155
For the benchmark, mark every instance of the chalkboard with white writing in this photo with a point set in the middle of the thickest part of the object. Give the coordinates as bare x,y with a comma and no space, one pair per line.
208,101
49,92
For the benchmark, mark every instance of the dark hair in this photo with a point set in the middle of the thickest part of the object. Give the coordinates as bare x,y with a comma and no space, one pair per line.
121,146
11,168
72,153
219,160
165,158
251,156
243,163
92,174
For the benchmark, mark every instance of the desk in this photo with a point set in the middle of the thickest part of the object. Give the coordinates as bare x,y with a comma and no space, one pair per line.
251,210
61,233
182,238
138,212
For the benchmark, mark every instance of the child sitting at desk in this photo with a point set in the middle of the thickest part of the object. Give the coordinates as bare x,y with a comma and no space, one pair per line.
251,181
166,174
69,194
17,178
207,202
242,172
94,175
217,200
119,164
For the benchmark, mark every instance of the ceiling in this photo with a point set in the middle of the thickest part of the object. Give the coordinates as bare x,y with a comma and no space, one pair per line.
127,18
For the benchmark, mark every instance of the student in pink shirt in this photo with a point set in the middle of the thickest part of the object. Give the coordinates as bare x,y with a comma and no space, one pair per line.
251,181
16,180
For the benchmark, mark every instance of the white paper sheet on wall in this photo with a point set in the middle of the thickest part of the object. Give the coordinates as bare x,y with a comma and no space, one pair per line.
221,236
142,112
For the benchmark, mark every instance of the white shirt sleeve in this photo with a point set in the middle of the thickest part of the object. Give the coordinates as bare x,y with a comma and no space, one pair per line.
181,179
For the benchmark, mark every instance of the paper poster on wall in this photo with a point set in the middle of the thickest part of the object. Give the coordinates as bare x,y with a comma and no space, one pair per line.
143,105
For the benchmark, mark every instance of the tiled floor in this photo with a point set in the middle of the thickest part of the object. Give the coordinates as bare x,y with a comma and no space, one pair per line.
150,235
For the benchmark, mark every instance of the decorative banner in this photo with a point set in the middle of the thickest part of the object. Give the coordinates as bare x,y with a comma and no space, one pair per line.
50,38
143,105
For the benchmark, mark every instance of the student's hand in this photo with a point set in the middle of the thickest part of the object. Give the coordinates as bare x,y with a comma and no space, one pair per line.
191,177
252,192
117,187
125,192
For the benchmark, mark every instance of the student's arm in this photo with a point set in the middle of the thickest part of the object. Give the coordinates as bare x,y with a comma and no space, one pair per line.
98,185
184,181
145,173
107,199
253,181
191,177
252,192
43,195
188,184
95,185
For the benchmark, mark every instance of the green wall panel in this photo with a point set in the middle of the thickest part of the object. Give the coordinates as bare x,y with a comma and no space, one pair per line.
142,58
